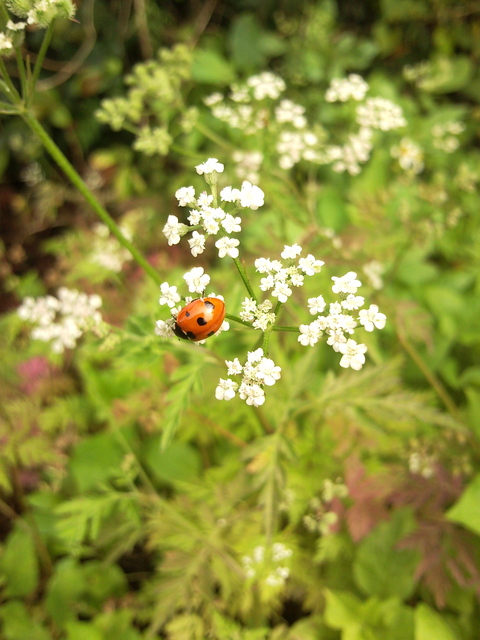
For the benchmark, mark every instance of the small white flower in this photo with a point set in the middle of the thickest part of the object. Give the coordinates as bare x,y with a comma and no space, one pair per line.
310,334
234,367
197,243
226,389
371,318
227,247
346,284
204,200
251,197
310,266
353,302
267,283
210,225
281,291
253,394
268,372
231,224
353,354
290,253
280,552
229,194
174,230
255,356
169,295
185,196
316,305
164,329
208,167
196,280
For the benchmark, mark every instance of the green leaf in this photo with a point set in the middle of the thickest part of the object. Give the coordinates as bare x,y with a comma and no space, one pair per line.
96,459
429,625
466,511
178,461
83,630
380,568
250,44
17,623
209,67
342,610
187,379
19,562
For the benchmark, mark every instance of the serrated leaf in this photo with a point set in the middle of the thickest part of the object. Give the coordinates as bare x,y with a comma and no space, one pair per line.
187,379
96,459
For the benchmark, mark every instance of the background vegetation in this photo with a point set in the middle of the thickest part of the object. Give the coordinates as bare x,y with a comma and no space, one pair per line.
358,491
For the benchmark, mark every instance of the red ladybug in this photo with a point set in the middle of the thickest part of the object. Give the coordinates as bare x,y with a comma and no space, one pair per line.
200,319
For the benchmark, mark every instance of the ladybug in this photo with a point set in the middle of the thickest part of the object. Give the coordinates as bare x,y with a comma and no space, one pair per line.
199,319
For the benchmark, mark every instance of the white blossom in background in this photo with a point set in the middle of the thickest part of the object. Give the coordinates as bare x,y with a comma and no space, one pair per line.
288,111
64,319
353,87
445,136
409,155
247,165
380,113
374,270
107,251
266,85
272,566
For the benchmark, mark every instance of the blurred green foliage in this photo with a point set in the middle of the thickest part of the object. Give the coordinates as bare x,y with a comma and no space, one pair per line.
130,498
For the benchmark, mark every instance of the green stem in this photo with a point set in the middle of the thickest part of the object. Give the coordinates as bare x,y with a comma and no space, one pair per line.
39,61
76,180
22,74
284,328
15,96
246,281
230,316
213,136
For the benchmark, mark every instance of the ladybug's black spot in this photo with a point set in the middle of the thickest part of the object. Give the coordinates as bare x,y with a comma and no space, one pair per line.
190,335
201,321
211,334
179,332
187,313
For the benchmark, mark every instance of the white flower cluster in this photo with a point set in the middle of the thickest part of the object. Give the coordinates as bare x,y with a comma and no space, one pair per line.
281,278
260,315
63,320
248,164
42,12
257,372
380,113
343,89
292,136
274,570
409,155
445,136
107,252
212,220
339,323
197,281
